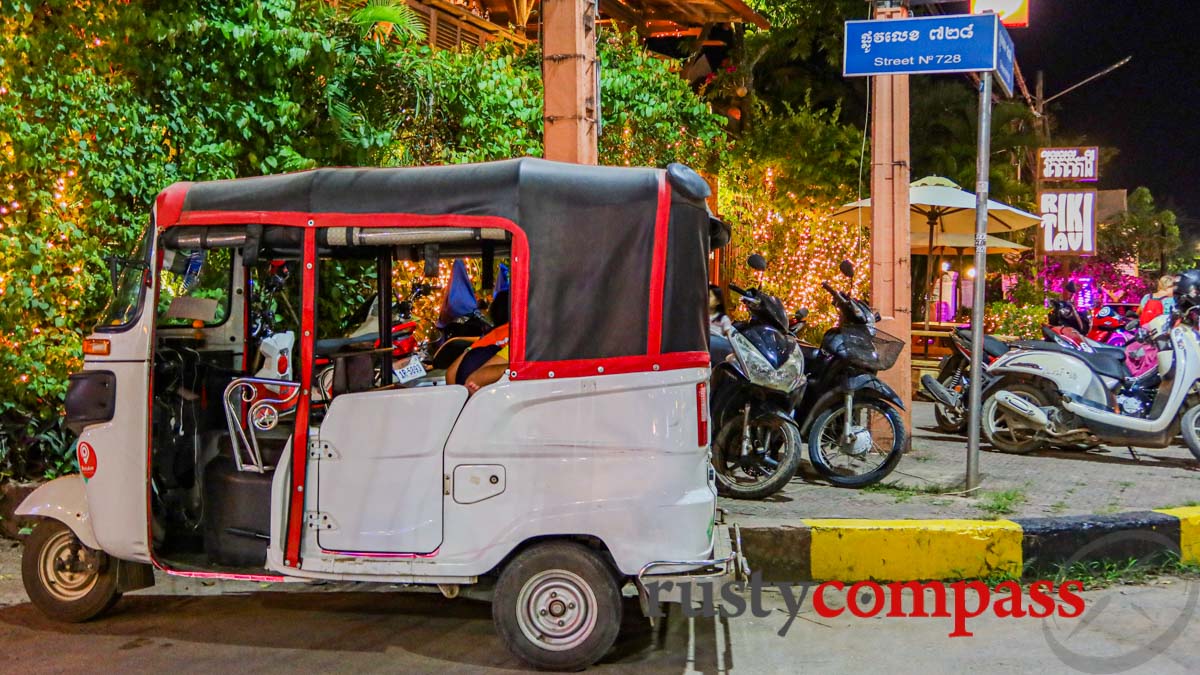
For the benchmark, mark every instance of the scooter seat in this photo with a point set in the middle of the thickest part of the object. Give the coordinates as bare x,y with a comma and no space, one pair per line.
1102,363
1108,350
993,347
333,345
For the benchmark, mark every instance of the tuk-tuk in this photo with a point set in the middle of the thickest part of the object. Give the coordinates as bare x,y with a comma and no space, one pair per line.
205,449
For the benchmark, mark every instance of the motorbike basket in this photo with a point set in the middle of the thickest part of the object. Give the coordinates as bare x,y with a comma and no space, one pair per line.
869,348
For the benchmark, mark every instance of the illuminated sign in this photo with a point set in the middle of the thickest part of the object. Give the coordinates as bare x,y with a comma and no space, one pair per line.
1069,164
1068,222
1013,13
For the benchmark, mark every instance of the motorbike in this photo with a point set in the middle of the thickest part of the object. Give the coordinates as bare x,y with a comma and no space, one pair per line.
757,379
1064,329
1110,324
849,416
1070,397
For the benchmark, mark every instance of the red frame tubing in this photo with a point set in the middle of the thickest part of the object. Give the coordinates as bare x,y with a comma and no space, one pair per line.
658,266
308,294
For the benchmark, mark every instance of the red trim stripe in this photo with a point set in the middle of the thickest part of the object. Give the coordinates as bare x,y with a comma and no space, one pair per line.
658,269
519,290
308,294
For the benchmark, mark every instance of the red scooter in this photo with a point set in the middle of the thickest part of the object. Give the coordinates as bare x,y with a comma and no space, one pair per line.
1110,323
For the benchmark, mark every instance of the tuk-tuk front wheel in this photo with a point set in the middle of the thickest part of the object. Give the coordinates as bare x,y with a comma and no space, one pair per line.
66,580
557,606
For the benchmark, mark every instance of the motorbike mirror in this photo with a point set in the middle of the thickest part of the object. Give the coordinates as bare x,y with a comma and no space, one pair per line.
801,314
847,269
757,262
1070,287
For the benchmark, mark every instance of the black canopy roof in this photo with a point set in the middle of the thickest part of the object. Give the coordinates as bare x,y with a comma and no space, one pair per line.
603,242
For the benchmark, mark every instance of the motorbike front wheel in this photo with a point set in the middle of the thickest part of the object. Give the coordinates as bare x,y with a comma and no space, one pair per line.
877,439
771,460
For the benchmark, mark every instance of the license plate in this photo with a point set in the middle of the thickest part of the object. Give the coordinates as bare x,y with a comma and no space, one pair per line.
412,370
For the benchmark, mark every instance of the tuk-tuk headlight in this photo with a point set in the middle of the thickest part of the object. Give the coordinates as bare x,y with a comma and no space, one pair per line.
759,371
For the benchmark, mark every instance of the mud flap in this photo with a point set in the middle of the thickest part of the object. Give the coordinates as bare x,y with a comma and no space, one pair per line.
132,576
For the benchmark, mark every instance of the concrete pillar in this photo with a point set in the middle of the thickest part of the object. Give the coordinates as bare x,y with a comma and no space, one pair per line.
569,74
891,280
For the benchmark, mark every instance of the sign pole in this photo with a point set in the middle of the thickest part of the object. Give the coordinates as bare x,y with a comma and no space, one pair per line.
891,278
982,169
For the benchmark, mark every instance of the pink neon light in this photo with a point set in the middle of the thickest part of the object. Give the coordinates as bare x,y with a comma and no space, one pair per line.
222,575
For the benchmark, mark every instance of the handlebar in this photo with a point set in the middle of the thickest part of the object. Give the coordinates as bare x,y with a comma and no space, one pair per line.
737,289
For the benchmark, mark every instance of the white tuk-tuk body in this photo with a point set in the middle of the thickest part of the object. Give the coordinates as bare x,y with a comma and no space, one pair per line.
595,436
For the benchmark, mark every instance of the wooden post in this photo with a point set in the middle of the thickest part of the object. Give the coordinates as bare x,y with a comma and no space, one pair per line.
891,281
569,75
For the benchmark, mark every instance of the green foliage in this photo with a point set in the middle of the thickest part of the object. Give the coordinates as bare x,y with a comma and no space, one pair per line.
778,189
105,103
642,98
800,58
1145,233
945,123
1028,293
1019,321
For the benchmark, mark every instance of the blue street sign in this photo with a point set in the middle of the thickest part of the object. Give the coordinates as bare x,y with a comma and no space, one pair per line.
1006,56
928,45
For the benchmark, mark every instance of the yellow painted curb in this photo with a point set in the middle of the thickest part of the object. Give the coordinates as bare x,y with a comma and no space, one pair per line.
903,550
1189,532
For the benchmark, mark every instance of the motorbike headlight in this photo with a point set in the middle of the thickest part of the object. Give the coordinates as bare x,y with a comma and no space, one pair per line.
787,377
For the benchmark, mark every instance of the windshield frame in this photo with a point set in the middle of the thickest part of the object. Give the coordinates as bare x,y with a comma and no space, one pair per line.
134,271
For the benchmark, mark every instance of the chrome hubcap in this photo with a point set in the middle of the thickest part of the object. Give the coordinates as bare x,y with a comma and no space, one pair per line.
556,610
66,570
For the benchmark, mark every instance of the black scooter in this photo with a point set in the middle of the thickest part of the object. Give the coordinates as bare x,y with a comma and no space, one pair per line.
850,417
757,379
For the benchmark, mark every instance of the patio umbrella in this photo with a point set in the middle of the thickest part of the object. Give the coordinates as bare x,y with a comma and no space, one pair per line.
944,208
957,242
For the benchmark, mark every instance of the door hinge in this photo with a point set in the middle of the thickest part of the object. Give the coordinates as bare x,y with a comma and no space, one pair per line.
322,450
319,520
446,484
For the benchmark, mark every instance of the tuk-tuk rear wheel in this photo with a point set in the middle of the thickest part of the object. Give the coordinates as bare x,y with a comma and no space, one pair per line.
557,606
66,580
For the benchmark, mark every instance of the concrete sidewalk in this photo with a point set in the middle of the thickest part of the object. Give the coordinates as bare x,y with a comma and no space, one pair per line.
1031,514
1045,484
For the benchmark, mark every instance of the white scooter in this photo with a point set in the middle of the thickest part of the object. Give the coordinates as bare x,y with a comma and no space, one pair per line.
1066,397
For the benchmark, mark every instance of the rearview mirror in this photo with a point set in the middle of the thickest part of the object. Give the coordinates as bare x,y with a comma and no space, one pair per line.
1070,287
801,314
114,271
847,269
757,262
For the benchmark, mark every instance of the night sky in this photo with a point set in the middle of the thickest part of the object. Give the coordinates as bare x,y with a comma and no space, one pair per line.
1149,109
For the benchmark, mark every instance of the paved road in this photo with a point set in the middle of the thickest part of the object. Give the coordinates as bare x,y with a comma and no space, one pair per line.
242,628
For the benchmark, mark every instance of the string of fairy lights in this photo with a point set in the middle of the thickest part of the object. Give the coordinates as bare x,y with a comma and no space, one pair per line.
803,245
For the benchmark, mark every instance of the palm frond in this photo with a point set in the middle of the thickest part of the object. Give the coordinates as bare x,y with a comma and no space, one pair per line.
387,16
